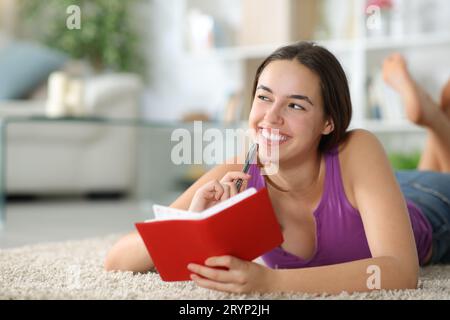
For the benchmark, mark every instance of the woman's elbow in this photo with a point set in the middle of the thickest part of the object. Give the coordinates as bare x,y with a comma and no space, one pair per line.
128,254
111,263
413,278
412,281
114,260
408,277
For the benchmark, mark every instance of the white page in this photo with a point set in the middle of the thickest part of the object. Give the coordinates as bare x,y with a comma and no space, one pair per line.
228,203
163,212
168,213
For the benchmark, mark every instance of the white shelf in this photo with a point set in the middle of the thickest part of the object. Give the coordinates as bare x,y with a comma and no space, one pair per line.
409,41
335,45
388,126
261,51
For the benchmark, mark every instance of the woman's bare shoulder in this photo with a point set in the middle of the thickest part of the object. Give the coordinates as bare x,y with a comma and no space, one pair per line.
361,149
359,141
357,152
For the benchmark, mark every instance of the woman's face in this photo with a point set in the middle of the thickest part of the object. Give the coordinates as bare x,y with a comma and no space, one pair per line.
288,99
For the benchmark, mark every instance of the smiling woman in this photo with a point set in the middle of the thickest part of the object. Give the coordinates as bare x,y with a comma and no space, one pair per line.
340,206
333,88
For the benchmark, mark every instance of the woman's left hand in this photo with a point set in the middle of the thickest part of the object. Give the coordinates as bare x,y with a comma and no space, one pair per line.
241,277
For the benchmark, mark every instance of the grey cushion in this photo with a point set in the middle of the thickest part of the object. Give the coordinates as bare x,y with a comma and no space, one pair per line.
23,66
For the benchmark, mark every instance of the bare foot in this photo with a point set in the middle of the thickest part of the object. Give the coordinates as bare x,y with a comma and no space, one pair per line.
419,107
445,98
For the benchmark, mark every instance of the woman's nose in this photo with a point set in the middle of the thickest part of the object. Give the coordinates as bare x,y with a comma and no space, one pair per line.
273,115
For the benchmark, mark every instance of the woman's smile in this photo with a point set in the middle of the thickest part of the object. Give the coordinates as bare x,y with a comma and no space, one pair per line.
271,137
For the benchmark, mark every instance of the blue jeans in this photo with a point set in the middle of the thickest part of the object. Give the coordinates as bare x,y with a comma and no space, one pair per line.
430,191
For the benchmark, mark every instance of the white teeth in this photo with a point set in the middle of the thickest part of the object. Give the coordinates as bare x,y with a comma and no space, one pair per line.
271,136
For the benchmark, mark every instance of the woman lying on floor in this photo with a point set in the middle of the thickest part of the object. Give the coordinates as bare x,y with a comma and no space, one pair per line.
345,215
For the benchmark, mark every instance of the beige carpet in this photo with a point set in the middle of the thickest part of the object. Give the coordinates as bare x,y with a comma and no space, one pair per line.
73,270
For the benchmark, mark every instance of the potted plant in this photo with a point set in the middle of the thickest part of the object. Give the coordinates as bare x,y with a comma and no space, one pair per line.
106,37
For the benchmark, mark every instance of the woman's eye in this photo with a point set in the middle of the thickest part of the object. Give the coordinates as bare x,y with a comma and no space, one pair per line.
296,106
263,98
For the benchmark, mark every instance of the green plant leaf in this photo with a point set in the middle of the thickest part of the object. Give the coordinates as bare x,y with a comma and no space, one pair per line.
402,161
106,37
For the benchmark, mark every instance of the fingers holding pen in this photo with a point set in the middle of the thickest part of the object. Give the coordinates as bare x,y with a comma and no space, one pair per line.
216,191
231,188
244,185
232,176
226,191
228,183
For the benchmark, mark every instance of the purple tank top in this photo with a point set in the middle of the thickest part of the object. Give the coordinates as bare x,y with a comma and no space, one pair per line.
340,235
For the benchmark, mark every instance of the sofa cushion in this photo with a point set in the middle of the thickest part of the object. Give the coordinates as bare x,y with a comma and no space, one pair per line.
23,66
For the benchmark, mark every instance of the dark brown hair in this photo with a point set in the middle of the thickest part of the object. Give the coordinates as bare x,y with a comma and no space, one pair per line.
333,82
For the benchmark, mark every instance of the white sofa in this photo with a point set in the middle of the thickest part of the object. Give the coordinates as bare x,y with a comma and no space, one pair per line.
70,158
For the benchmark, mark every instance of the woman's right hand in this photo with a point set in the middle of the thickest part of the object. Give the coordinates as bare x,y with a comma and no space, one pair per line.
216,191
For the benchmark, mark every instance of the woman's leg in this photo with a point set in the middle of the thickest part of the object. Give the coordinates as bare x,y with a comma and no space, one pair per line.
429,159
445,107
423,111
430,191
445,98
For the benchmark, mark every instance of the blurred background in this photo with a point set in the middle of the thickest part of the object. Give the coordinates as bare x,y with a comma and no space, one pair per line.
170,62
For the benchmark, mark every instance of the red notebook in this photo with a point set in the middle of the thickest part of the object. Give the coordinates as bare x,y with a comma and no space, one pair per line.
245,226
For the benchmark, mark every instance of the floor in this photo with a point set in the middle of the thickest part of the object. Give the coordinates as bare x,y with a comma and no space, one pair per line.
37,221
73,270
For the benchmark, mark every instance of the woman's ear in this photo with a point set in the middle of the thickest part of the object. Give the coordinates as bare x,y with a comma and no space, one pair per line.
329,127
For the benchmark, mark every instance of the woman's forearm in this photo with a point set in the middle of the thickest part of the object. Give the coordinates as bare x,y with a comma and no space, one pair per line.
356,276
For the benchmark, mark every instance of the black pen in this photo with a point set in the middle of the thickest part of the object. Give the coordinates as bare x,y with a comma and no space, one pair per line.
248,160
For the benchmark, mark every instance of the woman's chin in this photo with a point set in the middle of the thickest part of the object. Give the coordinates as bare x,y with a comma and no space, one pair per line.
266,158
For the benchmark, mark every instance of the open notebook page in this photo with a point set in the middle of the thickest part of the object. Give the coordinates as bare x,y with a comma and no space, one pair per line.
167,213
